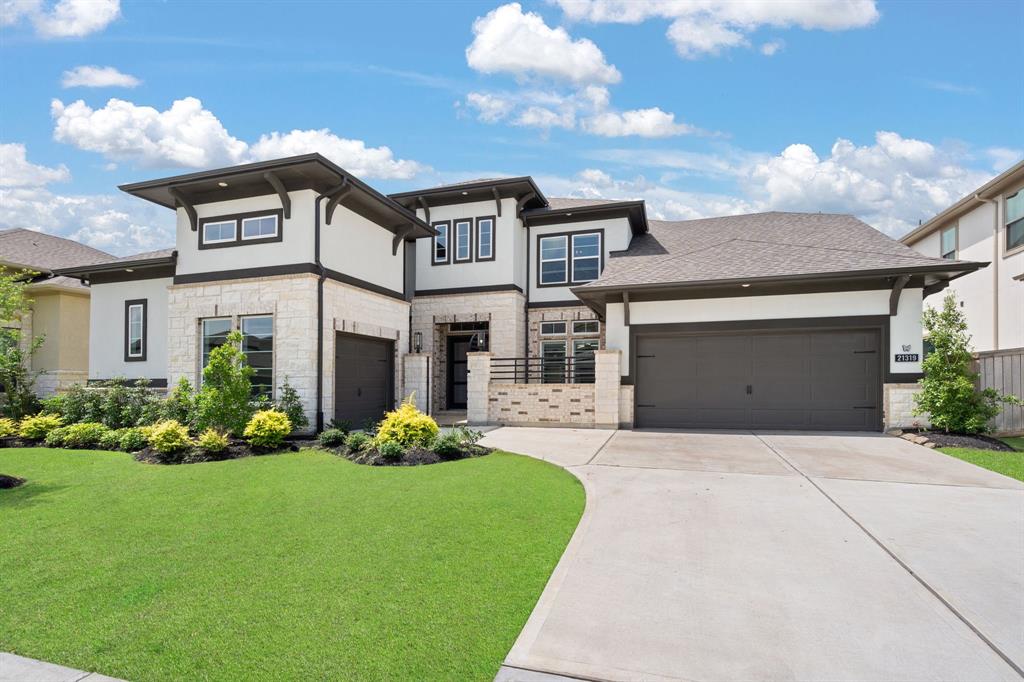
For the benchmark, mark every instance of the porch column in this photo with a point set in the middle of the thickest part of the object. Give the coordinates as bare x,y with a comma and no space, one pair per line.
479,370
417,380
606,389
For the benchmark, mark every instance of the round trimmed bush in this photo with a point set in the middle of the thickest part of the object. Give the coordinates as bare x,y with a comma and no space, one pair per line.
391,451
213,441
406,426
358,441
333,438
36,428
168,437
132,439
85,435
57,438
111,440
267,429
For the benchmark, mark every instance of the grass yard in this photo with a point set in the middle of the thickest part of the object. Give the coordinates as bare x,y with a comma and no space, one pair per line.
1007,463
295,566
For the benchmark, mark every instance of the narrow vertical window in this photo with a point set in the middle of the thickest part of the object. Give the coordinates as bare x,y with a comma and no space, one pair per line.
554,260
948,247
463,247
135,330
553,362
485,238
1015,221
441,242
258,347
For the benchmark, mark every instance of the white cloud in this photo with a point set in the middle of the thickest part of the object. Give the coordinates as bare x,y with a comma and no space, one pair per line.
707,27
542,117
190,136
651,122
772,48
64,19
507,40
490,108
97,77
1004,157
17,171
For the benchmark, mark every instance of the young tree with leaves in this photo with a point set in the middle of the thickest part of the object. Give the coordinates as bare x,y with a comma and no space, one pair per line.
17,379
223,400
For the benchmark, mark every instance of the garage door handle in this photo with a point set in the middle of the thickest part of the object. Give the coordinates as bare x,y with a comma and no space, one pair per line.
750,389
862,352
359,391
645,356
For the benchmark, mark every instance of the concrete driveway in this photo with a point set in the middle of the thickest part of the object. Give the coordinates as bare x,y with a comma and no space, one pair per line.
797,556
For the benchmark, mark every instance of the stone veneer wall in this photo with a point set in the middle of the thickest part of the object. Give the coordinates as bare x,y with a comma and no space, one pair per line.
503,310
568,314
541,404
59,380
898,406
625,407
291,299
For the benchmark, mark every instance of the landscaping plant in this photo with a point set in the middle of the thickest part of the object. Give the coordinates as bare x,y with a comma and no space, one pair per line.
132,439
290,404
18,398
84,435
223,401
80,404
332,438
948,394
391,450
406,426
57,437
169,437
8,427
267,429
180,404
212,441
358,441
36,428
111,440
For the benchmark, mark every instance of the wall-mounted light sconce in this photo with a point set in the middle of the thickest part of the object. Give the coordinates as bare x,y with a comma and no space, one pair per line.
417,341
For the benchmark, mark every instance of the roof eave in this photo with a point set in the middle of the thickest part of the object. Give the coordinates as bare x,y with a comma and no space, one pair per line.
86,270
636,211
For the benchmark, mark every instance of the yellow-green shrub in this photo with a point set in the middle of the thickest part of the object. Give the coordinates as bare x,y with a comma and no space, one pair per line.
169,436
36,428
406,426
212,440
84,435
267,428
8,427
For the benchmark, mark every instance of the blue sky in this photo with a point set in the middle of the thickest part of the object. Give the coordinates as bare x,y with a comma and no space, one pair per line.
890,111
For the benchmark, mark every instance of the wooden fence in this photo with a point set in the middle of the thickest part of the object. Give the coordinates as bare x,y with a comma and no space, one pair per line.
1003,370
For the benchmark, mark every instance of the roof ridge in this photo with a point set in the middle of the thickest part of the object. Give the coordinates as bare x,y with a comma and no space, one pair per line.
913,254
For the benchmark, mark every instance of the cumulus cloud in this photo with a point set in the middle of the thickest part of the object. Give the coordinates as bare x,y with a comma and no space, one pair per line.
507,40
708,27
187,135
772,48
97,77
1004,157
490,108
64,19
17,171
651,122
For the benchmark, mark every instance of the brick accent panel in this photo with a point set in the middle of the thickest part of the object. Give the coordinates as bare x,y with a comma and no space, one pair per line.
898,406
541,404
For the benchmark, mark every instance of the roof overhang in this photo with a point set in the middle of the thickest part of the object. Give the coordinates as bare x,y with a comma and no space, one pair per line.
142,268
931,278
519,188
309,171
635,211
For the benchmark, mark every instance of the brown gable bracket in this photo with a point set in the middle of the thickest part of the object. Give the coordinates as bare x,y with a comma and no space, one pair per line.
286,201
894,296
193,218
625,308
337,194
400,236
497,199
522,202
426,209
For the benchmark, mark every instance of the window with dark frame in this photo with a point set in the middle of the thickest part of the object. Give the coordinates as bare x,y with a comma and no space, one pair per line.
440,254
1015,220
258,348
553,362
586,257
485,238
135,330
948,243
220,232
241,229
214,334
566,259
463,240
259,227
552,328
583,363
584,327
554,260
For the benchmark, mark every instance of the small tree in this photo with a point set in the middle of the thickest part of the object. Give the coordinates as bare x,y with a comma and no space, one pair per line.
948,394
223,400
17,379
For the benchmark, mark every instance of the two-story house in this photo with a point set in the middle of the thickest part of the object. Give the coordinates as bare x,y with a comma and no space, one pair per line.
767,320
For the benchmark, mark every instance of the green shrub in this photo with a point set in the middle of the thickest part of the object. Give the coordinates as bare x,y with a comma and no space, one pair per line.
8,427
123,404
267,428
169,437
406,426
84,435
391,450
57,438
289,403
213,441
133,439
343,425
180,404
82,404
36,428
332,438
447,446
223,401
111,440
55,404
358,441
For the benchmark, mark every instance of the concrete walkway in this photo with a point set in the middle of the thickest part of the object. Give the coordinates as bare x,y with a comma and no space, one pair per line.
720,556
20,669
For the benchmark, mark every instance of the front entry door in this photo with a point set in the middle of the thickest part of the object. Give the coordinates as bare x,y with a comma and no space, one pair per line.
458,373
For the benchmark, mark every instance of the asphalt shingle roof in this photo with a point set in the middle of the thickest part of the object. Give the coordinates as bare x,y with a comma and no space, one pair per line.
561,203
46,251
755,245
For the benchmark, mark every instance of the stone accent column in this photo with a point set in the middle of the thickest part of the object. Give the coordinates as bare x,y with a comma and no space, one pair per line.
416,381
479,367
606,389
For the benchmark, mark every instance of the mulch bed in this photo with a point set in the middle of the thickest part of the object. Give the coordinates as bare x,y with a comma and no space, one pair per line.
236,450
10,481
411,457
962,440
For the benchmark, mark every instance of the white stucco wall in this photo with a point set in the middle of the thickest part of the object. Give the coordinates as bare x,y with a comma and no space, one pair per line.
500,271
106,332
617,235
360,248
905,327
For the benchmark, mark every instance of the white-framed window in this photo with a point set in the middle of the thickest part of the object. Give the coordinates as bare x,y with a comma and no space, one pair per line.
135,330
552,328
441,243
258,348
554,259
214,334
219,232
553,364
586,327
259,227
947,239
485,238
583,360
1015,221
463,240
586,257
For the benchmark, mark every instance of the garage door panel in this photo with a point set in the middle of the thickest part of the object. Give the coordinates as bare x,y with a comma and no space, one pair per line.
362,378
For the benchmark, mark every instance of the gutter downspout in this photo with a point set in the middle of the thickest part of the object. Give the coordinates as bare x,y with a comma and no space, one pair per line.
319,315
995,269
526,307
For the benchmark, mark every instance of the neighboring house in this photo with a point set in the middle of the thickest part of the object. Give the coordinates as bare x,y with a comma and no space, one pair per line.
988,225
60,305
770,320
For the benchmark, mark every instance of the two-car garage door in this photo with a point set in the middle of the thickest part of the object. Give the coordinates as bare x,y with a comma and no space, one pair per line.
792,379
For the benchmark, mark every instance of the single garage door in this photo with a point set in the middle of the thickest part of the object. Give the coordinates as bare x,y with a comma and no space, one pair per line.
794,379
363,376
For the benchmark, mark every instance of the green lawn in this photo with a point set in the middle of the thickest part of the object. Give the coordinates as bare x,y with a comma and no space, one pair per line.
1007,463
296,566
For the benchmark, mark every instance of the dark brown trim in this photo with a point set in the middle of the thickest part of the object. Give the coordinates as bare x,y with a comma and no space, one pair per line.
446,224
453,238
118,265
894,296
908,378
635,211
145,329
163,272
573,303
282,193
494,235
150,383
569,257
238,218
291,269
469,192
363,284
468,290
190,209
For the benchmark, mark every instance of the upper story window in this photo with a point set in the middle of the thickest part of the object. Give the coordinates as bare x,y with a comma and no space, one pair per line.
1015,221
463,240
440,254
135,330
948,242
569,258
256,227
485,238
